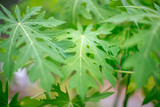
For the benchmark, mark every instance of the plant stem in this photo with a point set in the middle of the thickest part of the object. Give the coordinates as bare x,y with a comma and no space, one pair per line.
126,94
128,72
119,89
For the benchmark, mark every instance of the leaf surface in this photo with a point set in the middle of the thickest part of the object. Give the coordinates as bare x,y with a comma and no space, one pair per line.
62,99
87,59
26,41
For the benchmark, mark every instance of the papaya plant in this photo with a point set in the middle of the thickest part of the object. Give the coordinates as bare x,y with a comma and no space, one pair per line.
81,43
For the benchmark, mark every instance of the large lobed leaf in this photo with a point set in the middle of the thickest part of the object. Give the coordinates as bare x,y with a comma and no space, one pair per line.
87,59
26,41
87,8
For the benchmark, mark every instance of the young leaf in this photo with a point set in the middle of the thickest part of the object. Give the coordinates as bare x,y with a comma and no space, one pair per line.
62,99
98,96
26,41
87,59
153,95
3,95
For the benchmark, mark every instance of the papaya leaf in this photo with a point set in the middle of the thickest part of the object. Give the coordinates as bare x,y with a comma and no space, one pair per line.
26,41
62,99
74,8
87,59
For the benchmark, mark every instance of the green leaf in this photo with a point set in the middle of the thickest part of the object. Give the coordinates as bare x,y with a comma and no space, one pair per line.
134,14
74,8
146,40
62,99
87,59
25,102
99,96
50,22
29,102
4,95
157,7
14,102
137,38
26,41
153,95
151,43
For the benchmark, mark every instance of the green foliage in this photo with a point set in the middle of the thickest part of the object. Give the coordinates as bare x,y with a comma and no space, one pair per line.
62,99
148,41
98,38
25,102
4,95
98,96
87,58
26,41
153,95
87,8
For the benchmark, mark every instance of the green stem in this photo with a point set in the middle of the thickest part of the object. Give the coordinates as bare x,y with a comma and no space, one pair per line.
127,94
127,72
119,89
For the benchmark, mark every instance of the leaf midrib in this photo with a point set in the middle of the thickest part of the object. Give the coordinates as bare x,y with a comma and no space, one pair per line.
96,10
10,47
151,40
31,43
81,49
74,10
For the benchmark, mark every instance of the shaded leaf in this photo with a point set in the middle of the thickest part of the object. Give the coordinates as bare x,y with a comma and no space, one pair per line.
25,102
62,99
99,96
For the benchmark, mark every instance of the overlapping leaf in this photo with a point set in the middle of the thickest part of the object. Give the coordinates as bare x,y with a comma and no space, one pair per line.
74,8
62,99
148,65
148,42
88,58
153,95
135,14
26,41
